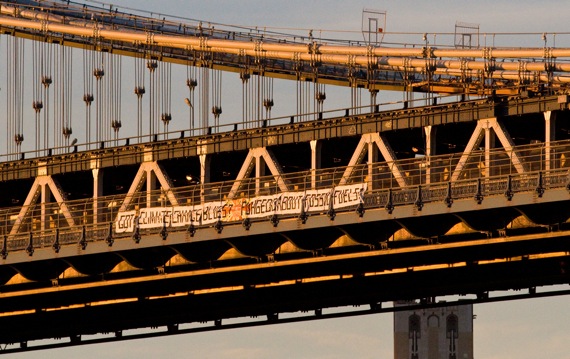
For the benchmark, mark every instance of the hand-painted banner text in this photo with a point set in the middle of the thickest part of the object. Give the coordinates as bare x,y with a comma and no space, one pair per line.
234,210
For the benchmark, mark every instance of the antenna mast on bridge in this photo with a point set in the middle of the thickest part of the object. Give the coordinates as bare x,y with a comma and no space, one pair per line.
373,26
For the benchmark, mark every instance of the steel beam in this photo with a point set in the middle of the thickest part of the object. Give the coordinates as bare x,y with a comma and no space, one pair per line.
316,147
97,192
508,144
42,188
483,131
368,278
148,173
257,158
365,143
549,136
430,132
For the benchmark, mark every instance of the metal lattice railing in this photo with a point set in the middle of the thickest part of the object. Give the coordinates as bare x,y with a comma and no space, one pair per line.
427,180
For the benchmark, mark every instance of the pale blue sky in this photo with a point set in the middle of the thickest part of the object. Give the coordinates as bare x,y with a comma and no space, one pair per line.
526,329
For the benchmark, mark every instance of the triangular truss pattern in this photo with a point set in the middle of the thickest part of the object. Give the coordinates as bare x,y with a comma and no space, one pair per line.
363,148
145,175
254,160
41,189
482,131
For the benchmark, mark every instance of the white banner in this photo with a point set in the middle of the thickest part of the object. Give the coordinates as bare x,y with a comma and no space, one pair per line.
235,210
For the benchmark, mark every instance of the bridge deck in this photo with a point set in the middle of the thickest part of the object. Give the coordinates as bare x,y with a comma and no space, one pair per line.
267,216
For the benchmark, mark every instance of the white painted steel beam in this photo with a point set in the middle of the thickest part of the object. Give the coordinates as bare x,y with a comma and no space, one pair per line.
205,162
372,158
256,158
97,192
430,150
549,136
473,143
483,130
42,189
45,197
316,147
489,144
148,173
385,150
508,144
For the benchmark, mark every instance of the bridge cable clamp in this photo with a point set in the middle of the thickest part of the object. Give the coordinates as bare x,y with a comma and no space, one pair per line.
44,26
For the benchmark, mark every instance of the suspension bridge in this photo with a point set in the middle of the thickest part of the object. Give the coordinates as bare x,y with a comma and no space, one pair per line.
132,198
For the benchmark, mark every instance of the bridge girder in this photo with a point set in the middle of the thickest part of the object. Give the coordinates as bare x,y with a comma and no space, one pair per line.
206,148
488,225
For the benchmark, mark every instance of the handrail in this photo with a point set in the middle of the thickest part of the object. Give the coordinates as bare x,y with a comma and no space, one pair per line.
501,177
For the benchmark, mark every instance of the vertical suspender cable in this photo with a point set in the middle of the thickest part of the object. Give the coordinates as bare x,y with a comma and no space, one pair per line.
191,83
109,94
315,92
152,65
267,97
15,56
169,95
16,92
162,93
307,100
116,93
10,93
166,79
204,98
10,74
213,97
113,123
20,126
155,98
47,81
87,90
249,99
108,98
68,98
7,67
36,82
98,73
216,97
299,95
258,100
250,86
139,91
57,96
203,86
220,87
116,97
244,76
156,95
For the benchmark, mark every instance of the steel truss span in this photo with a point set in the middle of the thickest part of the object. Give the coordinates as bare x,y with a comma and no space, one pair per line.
269,217
304,281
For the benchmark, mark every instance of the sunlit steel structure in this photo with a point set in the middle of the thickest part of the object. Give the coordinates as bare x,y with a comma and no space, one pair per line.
357,206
